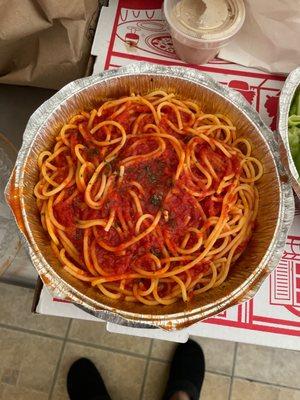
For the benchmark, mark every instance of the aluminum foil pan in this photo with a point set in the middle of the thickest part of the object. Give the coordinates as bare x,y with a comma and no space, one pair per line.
285,100
276,209
9,240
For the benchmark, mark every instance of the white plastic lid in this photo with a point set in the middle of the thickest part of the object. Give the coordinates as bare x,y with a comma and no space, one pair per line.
206,19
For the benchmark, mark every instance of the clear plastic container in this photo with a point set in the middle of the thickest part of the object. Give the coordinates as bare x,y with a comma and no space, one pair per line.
199,28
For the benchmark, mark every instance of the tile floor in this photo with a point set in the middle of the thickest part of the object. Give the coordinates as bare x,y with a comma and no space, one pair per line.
36,352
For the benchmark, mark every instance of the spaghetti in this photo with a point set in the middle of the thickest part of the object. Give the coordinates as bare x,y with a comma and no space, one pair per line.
148,198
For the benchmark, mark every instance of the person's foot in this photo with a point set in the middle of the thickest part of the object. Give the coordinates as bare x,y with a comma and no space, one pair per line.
84,382
186,372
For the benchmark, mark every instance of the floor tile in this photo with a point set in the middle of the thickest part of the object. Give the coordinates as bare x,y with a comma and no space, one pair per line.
163,349
250,390
122,374
267,364
96,333
156,380
15,310
8,392
218,353
215,387
27,362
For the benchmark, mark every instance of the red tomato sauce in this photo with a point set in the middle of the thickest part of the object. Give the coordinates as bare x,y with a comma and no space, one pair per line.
161,192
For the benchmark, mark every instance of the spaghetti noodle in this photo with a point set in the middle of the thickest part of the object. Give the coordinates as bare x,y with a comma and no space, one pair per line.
148,198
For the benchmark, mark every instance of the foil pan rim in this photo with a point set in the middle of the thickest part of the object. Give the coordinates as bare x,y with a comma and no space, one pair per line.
270,259
287,93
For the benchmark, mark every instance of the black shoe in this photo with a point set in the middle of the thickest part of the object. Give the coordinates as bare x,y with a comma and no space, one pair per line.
84,382
187,371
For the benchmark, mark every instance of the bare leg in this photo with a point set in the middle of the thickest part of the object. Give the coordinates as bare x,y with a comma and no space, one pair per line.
180,396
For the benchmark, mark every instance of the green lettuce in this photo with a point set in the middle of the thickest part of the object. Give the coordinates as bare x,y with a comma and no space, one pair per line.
294,129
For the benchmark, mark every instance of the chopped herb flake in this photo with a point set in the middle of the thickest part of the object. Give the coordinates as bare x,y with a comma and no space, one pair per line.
156,252
156,199
150,174
93,151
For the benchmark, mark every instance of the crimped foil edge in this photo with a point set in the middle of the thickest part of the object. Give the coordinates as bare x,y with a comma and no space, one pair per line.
287,93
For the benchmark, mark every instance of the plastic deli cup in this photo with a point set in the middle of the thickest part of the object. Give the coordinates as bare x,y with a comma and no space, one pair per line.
199,28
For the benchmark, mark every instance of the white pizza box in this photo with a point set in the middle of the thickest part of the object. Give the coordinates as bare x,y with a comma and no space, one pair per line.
47,304
141,28
272,318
